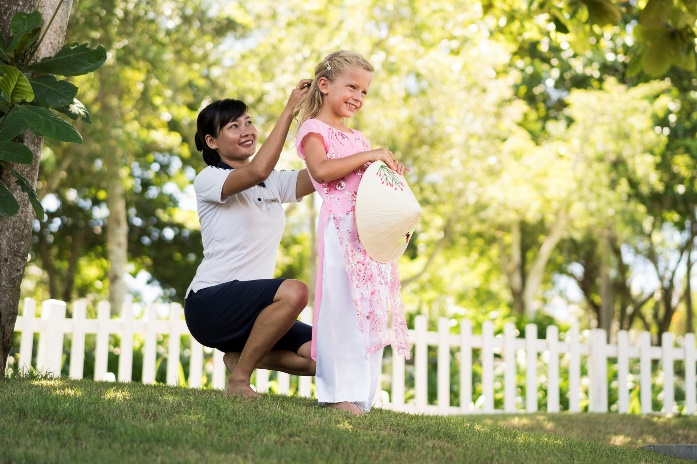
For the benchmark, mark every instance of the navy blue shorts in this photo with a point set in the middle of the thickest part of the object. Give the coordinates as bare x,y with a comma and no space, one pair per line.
222,316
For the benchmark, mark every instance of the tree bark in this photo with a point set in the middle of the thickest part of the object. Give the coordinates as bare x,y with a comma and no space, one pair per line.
117,240
537,270
607,303
15,232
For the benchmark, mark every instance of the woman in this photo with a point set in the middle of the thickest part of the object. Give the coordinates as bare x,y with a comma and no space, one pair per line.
233,303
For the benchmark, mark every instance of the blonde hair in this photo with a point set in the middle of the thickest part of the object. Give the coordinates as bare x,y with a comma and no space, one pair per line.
330,68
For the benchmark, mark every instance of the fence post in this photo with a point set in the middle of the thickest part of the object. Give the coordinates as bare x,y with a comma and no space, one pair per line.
150,344
397,397
622,371
195,364
597,366
531,370
667,362
510,365
77,348
553,369
175,316
488,365
50,352
26,345
421,363
220,371
443,364
102,351
465,366
645,363
690,380
573,342
126,348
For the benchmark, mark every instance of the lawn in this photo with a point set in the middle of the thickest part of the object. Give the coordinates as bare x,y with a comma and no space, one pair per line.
73,421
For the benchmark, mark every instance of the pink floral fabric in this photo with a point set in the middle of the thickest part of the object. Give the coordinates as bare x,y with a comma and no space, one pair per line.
375,287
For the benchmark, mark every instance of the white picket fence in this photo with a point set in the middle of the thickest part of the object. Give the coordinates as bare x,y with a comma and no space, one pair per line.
501,357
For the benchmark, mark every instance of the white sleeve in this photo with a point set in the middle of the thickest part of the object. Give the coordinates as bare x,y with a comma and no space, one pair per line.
286,183
208,184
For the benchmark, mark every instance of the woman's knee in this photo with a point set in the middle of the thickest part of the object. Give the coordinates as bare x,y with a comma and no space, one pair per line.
295,293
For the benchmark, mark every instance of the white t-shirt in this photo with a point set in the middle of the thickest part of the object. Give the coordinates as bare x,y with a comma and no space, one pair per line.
240,234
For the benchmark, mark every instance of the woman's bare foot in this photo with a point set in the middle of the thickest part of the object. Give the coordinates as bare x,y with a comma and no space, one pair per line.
240,388
347,406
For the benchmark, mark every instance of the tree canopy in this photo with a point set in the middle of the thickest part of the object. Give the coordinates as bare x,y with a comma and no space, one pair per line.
551,146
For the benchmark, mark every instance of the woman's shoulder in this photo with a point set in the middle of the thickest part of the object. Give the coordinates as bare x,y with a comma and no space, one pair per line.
210,174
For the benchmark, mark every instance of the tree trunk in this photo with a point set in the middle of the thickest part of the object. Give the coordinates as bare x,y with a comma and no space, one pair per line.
15,232
607,302
689,322
537,270
117,239
513,267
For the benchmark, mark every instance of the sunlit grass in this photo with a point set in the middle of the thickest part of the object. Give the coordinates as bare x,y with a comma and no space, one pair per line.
85,421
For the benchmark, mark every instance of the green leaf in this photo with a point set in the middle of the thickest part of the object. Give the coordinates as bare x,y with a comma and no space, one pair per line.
655,61
51,92
44,122
8,204
15,84
29,190
656,13
635,65
76,110
558,20
14,152
560,26
12,125
71,60
26,28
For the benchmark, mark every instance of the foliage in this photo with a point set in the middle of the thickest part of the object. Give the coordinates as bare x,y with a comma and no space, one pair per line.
145,100
30,92
507,122
663,30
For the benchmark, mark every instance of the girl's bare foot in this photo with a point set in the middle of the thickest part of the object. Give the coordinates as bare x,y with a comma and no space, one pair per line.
347,406
240,388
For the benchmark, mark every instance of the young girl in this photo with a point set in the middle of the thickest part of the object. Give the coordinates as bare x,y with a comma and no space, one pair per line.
358,307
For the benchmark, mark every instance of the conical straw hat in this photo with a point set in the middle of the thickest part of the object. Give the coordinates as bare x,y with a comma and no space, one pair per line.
386,212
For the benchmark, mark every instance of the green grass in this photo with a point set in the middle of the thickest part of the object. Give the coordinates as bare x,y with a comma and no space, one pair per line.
72,421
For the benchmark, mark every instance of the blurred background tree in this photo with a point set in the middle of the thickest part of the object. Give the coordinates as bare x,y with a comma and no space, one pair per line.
552,148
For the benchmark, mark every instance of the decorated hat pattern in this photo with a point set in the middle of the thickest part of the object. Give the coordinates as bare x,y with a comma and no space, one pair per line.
386,212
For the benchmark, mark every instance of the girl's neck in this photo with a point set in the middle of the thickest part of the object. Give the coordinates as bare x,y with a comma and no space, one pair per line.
337,122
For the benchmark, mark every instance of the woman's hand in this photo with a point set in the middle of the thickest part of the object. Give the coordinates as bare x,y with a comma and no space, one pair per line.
298,93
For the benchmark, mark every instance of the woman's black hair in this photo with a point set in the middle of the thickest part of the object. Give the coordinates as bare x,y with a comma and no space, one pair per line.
211,120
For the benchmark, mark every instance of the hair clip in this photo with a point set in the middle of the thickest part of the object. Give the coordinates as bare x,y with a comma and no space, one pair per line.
328,66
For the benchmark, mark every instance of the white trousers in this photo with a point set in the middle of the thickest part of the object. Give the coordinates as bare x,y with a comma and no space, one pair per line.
344,371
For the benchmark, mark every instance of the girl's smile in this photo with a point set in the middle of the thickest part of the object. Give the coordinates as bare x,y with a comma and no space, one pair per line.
343,97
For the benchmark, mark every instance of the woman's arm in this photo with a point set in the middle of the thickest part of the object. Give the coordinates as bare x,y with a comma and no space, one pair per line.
325,170
304,184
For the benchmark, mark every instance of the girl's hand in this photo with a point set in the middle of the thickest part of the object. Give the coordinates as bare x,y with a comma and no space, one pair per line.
298,93
400,168
383,154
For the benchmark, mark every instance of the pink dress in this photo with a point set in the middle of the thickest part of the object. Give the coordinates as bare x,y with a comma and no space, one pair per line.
375,287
